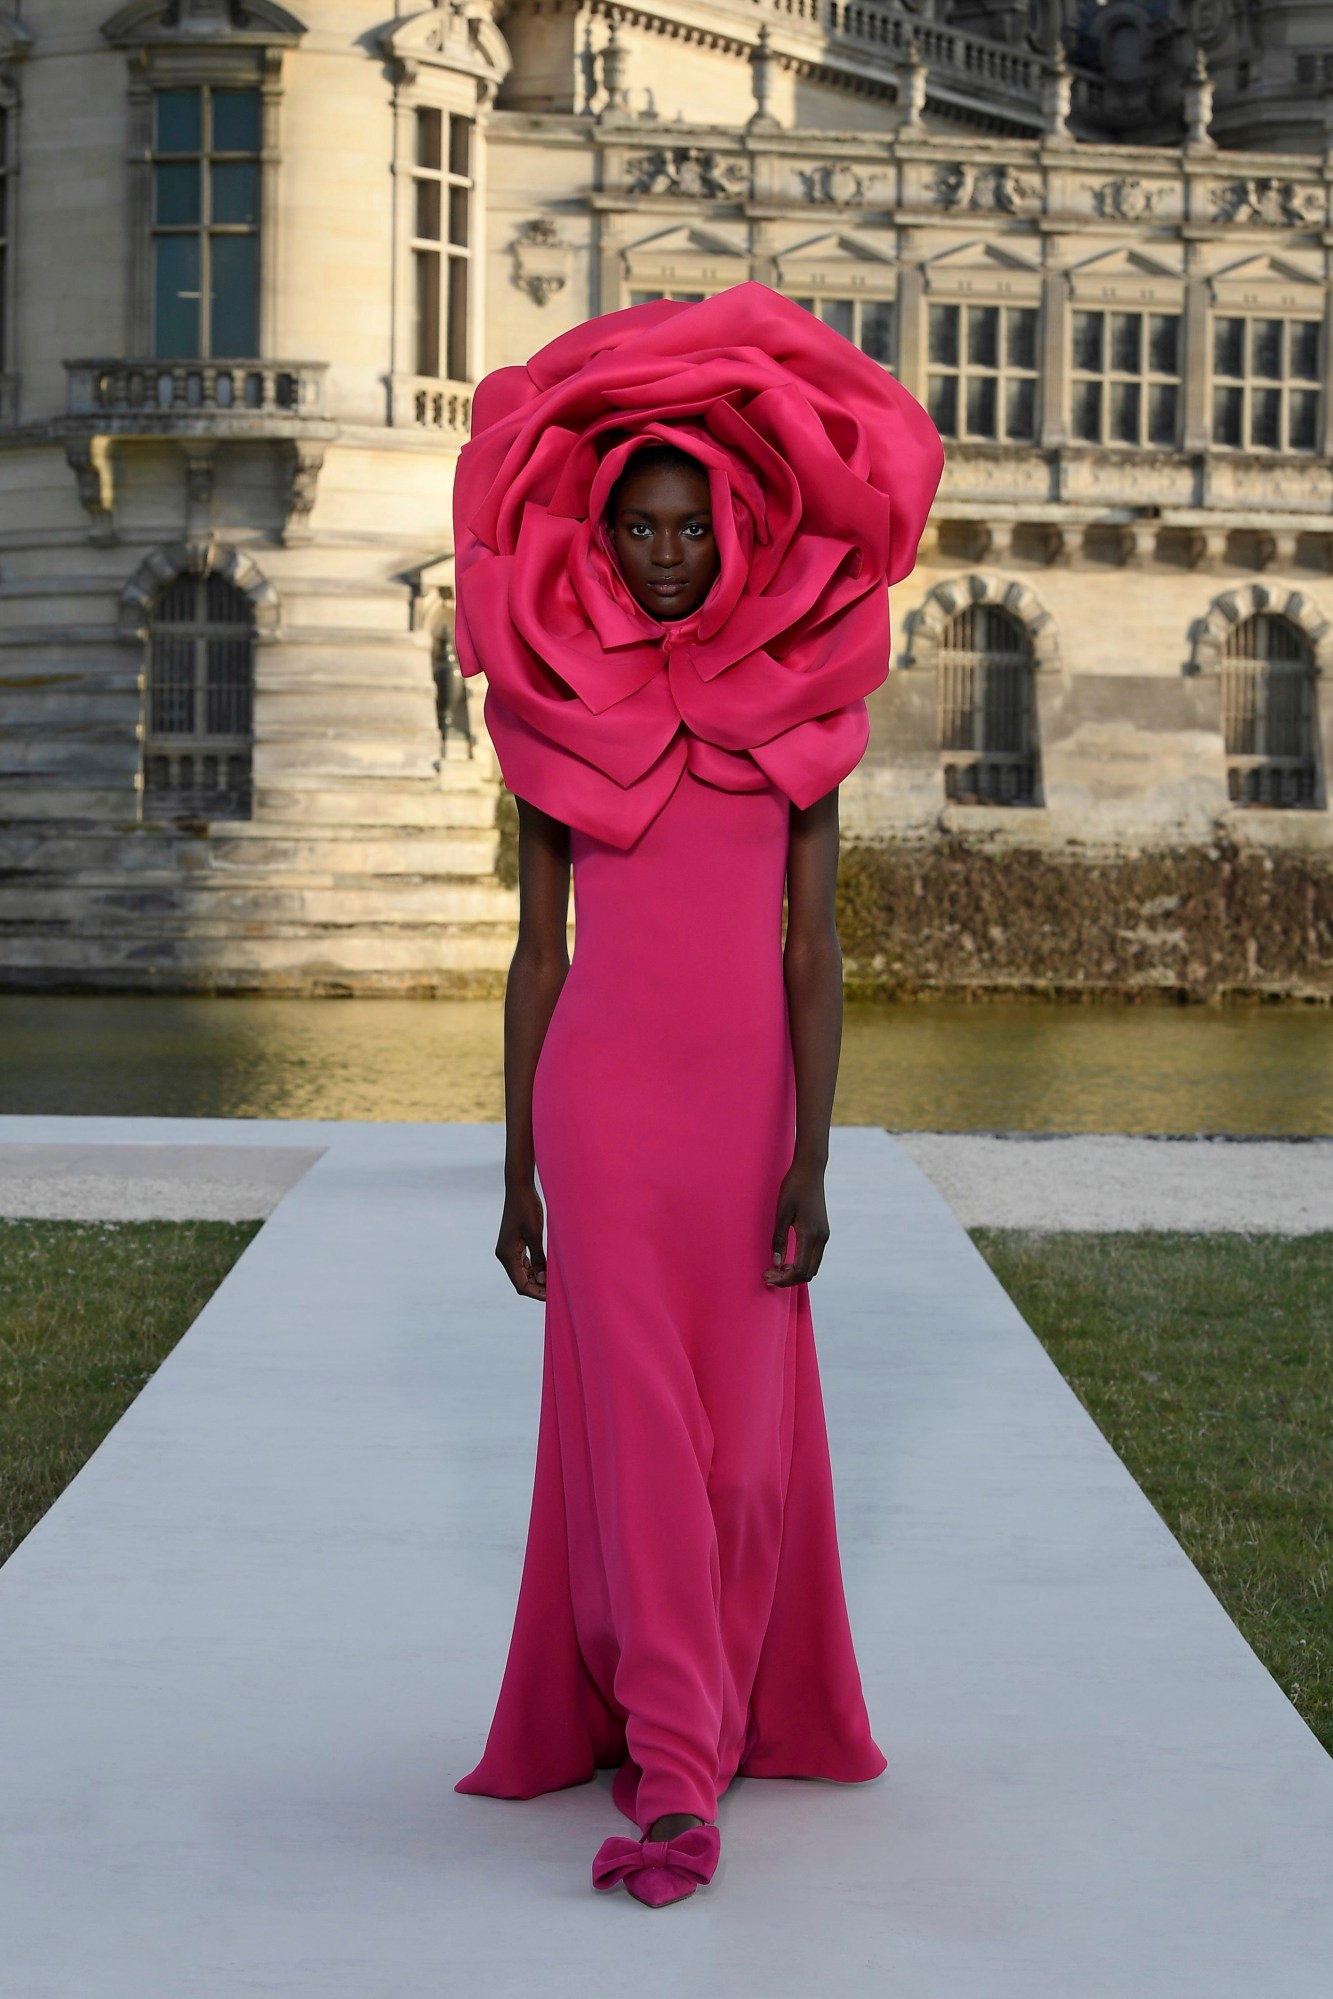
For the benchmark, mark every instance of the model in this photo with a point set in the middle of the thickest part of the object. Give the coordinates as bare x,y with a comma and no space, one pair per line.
674,532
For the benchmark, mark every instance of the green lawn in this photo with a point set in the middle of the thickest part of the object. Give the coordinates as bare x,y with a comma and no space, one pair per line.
1207,1363
88,1311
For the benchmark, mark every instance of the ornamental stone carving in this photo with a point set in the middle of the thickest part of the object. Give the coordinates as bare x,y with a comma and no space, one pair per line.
1126,199
974,186
1268,199
835,184
541,259
693,172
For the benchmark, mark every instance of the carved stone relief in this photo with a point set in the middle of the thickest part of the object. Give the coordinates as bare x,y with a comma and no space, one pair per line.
541,259
693,172
1127,199
835,184
1000,188
1268,199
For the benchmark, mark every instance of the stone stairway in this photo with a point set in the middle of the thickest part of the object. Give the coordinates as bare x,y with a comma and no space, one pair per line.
306,897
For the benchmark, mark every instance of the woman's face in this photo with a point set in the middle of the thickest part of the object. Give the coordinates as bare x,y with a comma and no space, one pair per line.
663,535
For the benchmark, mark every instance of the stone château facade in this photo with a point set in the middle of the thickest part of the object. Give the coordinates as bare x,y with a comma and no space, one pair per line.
253,262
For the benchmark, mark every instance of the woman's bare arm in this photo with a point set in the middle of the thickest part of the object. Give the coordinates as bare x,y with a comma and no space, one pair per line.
536,973
812,972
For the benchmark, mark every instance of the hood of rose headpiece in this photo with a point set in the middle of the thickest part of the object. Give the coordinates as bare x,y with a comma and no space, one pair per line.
822,470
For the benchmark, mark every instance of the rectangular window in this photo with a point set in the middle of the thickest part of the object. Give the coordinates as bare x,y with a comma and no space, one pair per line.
983,371
442,229
1266,383
1125,377
206,147
866,322
651,298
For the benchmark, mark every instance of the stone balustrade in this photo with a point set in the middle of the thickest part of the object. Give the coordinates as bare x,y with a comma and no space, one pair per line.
177,394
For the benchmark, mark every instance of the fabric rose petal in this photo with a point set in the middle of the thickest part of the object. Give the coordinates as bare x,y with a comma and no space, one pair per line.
822,470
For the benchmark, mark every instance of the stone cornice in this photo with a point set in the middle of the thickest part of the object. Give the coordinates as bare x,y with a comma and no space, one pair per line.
458,39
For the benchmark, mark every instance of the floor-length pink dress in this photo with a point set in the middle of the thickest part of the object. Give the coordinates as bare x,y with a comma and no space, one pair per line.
681,1603
681,1610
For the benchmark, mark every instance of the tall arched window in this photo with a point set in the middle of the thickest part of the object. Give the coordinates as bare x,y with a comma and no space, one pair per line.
198,727
1268,713
984,666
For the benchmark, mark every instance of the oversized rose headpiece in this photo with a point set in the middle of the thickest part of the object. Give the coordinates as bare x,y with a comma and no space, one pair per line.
822,471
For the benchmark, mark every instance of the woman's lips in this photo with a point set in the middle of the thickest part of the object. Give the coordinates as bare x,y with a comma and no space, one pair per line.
668,586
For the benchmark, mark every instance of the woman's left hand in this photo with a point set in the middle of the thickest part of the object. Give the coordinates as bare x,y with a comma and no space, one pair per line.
801,1206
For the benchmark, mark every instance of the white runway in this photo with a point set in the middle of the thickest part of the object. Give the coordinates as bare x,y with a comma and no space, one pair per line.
248,1651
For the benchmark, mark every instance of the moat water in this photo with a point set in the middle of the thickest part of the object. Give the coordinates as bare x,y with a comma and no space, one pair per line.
998,1065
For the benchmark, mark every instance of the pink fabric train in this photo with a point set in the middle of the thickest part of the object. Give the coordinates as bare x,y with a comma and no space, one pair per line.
594,706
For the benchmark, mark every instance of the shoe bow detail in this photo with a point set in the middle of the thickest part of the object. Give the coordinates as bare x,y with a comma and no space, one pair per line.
682,1863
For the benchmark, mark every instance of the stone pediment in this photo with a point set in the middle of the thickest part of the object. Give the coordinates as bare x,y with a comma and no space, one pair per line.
1131,264
988,258
686,239
196,23
1265,269
450,38
986,270
835,247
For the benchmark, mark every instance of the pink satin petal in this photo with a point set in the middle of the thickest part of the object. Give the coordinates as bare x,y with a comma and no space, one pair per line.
822,470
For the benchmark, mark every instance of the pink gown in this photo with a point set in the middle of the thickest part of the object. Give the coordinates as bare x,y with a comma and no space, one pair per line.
681,1612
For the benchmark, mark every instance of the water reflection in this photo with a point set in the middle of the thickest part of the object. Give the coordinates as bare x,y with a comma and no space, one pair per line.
1005,1065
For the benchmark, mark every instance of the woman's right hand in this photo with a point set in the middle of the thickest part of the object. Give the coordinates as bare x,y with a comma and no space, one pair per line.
519,1246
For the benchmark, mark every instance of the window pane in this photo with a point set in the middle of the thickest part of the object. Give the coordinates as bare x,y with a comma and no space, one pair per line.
178,124
1265,419
1021,337
651,298
235,191
1303,419
427,341
1305,350
837,313
943,404
1125,412
1226,416
459,198
171,685
1126,334
983,336
235,300
176,192
428,209
428,139
807,304
877,330
1162,413
1266,349
235,121
457,329
175,296
1088,341
1164,343
1229,347
460,145
1020,403
981,406
1086,411
944,336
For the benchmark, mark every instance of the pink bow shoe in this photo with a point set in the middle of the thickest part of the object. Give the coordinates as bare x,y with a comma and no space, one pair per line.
658,1871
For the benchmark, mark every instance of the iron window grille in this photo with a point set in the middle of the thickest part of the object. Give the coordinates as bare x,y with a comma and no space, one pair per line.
206,201
1268,713
1125,377
442,190
983,371
984,668
198,731
1266,383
